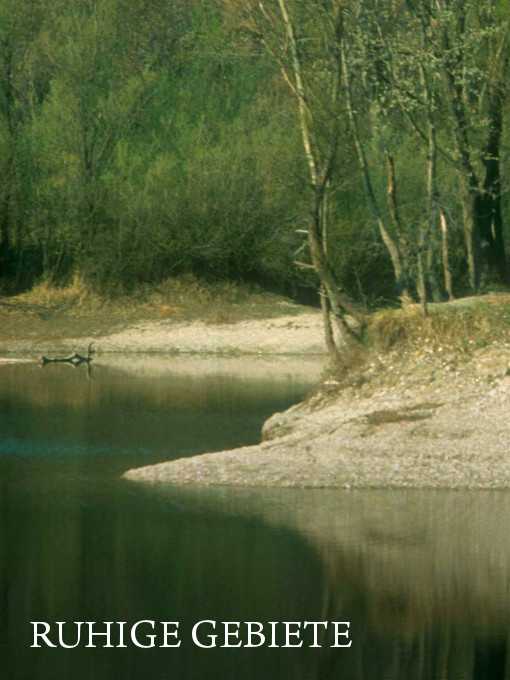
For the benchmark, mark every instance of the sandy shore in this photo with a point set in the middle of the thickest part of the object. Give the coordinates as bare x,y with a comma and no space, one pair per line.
428,420
436,424
297,334
284,335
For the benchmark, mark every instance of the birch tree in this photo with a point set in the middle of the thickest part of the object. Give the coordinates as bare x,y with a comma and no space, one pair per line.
435,71
305,37
464,60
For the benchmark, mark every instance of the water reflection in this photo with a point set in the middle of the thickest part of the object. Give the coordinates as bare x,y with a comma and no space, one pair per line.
77,543
423,576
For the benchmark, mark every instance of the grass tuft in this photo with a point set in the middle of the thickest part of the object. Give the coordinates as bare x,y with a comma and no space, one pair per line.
460,325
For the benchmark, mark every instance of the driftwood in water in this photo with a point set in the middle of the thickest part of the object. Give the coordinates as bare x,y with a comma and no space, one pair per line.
75,359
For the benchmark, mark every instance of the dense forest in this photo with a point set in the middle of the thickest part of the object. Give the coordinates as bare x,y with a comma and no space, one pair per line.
359,145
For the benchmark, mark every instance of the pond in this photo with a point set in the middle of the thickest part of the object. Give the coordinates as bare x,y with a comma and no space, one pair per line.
423,577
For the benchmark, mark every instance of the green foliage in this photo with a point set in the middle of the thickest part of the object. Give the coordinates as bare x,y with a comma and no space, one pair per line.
140,139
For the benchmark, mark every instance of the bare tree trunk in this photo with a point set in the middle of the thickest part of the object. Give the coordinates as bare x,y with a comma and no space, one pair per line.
488,208
469,181
427,231
325,303
432,253
328,327
391,245
445,248
300,92
421,284
471,236
403,245
338,303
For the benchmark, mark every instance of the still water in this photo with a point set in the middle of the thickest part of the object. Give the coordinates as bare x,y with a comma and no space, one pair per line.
424,577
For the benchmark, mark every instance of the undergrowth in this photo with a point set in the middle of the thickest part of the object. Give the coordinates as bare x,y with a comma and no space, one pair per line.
180,298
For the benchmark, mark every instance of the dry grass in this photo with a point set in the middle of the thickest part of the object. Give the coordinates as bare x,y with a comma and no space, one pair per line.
54,312
461,325
184,297
397,340
47,295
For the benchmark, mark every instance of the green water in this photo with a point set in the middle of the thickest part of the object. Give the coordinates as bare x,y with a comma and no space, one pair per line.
423,577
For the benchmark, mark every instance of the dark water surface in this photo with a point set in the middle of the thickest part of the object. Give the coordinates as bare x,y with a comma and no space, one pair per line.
423,577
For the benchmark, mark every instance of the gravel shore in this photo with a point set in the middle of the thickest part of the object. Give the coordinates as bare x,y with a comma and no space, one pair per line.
428,421
290,334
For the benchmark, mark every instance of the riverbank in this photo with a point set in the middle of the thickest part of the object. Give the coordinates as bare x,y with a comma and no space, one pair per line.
427,431
180,316
424,405
287,335
427,414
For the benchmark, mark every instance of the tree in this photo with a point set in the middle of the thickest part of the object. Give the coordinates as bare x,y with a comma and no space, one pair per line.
305,39
438,68
19,24
362,52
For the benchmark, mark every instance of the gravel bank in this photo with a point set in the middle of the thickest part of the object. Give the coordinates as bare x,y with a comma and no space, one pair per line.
291,334
299,334
428,421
